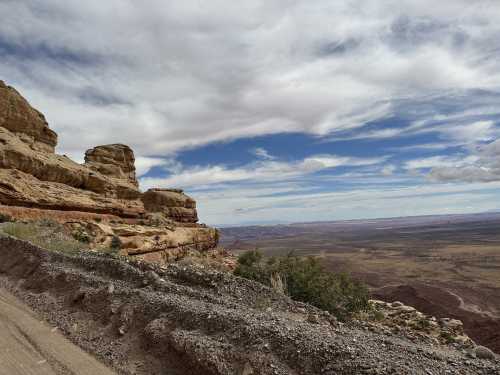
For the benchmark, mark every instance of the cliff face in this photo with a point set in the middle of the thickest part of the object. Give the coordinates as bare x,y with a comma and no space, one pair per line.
100,197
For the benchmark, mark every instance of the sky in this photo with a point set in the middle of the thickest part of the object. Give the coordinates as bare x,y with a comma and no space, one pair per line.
275,111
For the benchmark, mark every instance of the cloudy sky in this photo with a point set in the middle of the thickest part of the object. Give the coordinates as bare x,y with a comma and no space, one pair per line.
275,111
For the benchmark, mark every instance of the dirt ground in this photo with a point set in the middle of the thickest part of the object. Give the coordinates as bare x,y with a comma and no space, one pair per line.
143,319
444,266
29,346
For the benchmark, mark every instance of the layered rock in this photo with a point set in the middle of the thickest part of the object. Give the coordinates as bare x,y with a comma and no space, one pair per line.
173,203
34,179
17,153
113,160
17,116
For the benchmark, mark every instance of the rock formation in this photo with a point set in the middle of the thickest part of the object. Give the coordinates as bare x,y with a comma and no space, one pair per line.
100,197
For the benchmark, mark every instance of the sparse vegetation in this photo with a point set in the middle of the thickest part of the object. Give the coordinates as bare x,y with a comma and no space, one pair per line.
5,218
47,234
422,324
306,280
448,337
278,283
81,235
116,244
210,259
378,315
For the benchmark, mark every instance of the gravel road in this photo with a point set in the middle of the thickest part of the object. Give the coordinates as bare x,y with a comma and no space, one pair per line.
31,347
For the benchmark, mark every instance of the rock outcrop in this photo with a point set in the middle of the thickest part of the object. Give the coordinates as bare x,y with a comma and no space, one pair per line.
17,116
113,160
399,318
100,197
172,203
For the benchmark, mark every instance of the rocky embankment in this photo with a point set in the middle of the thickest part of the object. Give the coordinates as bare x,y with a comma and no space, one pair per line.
142,318
97,200
440,301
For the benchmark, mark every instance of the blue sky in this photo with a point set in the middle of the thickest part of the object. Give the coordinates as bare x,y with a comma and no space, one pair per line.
276,111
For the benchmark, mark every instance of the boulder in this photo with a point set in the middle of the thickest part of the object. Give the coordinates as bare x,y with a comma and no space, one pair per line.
115,160
173,203
483,352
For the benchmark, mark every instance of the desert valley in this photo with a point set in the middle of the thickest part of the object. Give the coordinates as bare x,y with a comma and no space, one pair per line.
447,266
250,187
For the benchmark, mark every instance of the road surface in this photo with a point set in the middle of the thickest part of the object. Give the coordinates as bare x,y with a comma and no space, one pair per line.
31,347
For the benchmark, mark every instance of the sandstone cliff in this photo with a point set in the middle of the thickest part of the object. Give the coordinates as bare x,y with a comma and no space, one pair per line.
100,198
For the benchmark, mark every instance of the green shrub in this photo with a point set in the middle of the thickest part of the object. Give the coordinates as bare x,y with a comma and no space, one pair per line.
306,280
448,337
81,235
378,315
116,243
5,218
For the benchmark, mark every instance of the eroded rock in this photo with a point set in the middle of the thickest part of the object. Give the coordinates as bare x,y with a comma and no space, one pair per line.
115,160
17,116
173,203
100,198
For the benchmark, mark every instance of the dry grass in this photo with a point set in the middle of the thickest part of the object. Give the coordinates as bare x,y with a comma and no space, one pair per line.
278,283
209,259
45,234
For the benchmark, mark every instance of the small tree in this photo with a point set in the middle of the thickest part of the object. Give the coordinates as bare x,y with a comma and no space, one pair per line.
306,280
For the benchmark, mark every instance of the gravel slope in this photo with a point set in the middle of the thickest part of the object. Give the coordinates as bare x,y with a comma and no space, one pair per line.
31,347
143,319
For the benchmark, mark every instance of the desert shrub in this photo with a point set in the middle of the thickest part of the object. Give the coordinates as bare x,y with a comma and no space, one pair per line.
250,266
422,324
306,280
81,235
278,283
116,243
447,337
378,315
5,218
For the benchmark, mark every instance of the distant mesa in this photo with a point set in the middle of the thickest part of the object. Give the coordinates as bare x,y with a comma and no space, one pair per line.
100,197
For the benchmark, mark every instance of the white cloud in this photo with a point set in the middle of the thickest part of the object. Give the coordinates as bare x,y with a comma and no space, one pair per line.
478,131
267,170
440,161
262,153
481,166
162,76
144,164
218,207
388,170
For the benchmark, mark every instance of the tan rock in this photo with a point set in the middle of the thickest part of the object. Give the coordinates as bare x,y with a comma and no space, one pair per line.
24,190
173,203
115,160
17,116
99,199
49,167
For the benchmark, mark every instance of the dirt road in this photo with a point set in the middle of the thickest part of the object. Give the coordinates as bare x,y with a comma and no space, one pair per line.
31,347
